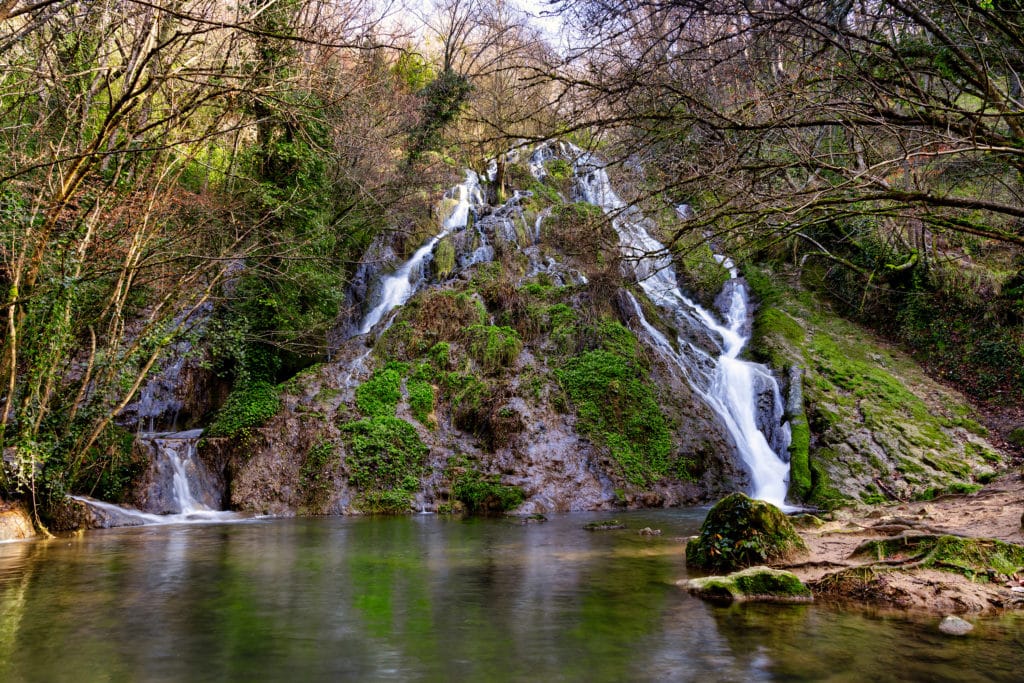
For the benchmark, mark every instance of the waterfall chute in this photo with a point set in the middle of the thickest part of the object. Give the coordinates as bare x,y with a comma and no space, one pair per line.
397,288
732,387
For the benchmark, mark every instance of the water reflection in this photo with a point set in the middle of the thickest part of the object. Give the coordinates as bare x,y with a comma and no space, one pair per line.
432,599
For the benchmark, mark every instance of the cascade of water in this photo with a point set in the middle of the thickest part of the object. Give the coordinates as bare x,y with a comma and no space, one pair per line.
395,289
731,386
180,485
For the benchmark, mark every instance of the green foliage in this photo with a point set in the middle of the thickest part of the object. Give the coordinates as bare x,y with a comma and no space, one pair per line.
384,453
483,494
558,169
421,402
739,532
108,469
413,70
379,395
494,347
442,102
616,407
248,407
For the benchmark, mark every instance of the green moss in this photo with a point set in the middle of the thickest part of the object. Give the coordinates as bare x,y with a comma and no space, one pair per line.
616,407
421,402
440,354
315,474
483,494
1016,437
752,584
984,558
823,494
740,532
799,458
384,453
387,502
247,408
702,272
444,258
494,347
379,395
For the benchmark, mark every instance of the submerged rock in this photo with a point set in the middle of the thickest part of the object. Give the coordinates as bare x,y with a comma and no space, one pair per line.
606,525
740,532
955,626
754,584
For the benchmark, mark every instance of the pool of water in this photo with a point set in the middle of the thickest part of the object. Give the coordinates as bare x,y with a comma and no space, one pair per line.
428,598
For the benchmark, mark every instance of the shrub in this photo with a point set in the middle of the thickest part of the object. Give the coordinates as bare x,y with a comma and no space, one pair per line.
379,395
248,407
384,453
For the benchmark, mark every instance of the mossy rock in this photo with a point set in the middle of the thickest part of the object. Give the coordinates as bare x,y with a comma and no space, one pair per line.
986,558
1016,437
740,532
754,584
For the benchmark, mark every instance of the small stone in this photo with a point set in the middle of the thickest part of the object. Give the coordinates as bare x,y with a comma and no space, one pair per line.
648,531
955,626
1017,589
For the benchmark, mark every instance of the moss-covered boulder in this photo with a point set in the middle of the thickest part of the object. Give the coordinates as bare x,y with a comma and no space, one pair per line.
754,584
740,532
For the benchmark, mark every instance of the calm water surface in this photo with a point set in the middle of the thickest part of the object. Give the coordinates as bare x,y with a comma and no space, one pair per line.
433,599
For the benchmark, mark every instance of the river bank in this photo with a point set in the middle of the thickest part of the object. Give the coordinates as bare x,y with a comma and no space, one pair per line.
901,580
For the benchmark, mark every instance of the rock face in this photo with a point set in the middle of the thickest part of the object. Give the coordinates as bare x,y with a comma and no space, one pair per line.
15,523
753,584
879,428
739,532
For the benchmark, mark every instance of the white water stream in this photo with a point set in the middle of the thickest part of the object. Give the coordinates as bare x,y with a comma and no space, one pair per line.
731,386
395,289
176,450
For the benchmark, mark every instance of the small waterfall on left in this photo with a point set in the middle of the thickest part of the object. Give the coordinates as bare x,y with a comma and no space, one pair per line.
180,488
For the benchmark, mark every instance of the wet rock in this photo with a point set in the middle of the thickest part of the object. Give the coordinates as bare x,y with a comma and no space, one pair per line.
15,523
740,532
73,514
754,584
648,531
955,626
605,525
533,519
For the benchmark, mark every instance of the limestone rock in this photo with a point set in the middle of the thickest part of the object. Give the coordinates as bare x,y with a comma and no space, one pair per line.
955,626
15,524
760,584
740,532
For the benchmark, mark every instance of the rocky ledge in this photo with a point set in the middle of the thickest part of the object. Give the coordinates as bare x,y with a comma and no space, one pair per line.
953,554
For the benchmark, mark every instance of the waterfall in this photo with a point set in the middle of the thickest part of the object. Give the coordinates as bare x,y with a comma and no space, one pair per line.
395,289
181,488
730,386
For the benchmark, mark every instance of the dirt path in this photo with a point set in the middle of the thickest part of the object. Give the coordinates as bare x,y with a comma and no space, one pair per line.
994,512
